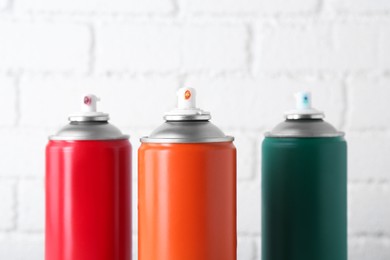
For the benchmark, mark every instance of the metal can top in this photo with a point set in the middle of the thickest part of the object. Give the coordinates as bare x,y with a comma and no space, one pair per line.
89,124
304,121
187,124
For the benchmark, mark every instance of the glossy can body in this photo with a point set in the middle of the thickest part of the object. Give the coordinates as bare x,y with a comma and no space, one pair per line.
88,200
187,201
304,198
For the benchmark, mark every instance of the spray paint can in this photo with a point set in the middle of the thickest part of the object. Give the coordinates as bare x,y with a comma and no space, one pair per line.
88,189
304,188
187,188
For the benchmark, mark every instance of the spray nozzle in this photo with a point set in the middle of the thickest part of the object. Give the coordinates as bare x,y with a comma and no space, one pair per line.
89,110
303,108
186,107
186,98
303,100
89,103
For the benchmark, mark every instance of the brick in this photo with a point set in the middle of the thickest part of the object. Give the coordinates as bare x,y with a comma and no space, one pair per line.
249,6
129,101
169,47
246,248
364,248
247,156
248,208
258,247
316,46
7,205
202,47
384,43
135,135
21,247
260,103
31,205
96,7
3,4
367,211
135,247
137,47
369,103
22,151
368,155
7,101
359,6
44,46
134,209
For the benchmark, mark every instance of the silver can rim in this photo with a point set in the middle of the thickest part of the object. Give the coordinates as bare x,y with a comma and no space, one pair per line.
72,138
338,134
187,140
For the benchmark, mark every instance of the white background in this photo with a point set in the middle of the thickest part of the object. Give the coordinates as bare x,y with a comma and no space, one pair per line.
246,58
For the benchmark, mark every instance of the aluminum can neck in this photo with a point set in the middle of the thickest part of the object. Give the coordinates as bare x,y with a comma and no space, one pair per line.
304,121
187,124
187,132
88,124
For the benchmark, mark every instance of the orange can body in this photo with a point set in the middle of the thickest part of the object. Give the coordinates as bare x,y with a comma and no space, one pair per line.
187,201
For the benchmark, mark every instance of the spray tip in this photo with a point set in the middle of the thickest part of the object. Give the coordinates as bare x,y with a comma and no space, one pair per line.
89,103
89,111
303,100
186,98
303,108
186,109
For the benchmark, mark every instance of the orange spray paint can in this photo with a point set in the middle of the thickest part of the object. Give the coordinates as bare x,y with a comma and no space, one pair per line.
187,188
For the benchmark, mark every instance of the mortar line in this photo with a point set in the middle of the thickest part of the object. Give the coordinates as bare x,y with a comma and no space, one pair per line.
10,5
17,106
345,98
370,181
15,206
176,8
92,49
249,48
365,234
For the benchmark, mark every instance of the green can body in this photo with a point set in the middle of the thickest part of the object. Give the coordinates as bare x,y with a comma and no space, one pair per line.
304,198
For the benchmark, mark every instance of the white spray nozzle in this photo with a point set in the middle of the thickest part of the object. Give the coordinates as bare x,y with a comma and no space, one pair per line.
89,103
303,108
88,110
303,100
186,98
186,107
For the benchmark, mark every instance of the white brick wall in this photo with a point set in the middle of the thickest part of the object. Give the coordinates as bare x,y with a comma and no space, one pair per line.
7,205
369,98
3,4
249,6
321,45
246,58
359,6
7,101
44,46
96,6
364,200
129,47
31,206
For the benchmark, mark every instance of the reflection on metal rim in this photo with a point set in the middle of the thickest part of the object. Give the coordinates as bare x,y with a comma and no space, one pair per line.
304,128
187,132
189,140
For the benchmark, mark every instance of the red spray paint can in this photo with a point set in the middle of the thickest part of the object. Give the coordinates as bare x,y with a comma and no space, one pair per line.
88,189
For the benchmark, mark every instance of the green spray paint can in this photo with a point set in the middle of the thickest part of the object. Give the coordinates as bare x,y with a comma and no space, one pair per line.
304,188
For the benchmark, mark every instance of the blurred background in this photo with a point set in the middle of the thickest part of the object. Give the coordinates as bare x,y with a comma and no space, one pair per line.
245,58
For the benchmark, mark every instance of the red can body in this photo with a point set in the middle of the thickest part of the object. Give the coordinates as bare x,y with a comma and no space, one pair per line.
187,201
88,200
